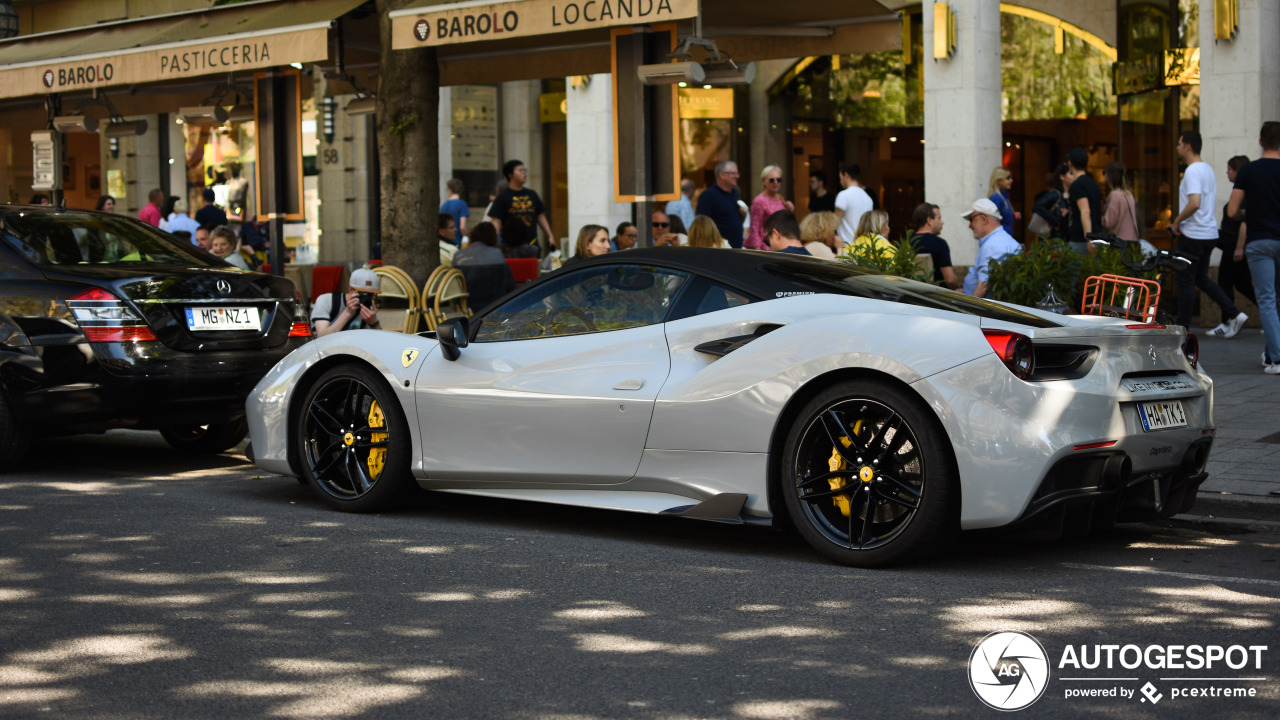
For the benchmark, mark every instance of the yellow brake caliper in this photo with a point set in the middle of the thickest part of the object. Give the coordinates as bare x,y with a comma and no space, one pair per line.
837,463
377,455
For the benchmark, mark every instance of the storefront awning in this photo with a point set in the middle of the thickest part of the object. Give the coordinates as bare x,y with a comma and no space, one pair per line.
493,40
244,36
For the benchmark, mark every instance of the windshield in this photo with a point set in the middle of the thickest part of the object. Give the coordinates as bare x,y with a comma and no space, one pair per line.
99,240
848,279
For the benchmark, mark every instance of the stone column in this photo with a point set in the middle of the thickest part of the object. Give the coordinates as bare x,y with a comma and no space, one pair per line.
589,147
444,144
1239,86
140,156
962,120
345,187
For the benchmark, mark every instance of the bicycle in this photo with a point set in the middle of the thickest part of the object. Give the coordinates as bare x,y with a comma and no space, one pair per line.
1131,298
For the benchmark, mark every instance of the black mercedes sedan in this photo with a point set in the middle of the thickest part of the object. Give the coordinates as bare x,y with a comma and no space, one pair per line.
107,322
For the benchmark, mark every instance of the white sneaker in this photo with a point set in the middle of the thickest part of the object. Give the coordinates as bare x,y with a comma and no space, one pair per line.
1220,331
1272,369
1235,324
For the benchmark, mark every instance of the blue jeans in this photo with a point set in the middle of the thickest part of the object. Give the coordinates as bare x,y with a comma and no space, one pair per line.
1264,263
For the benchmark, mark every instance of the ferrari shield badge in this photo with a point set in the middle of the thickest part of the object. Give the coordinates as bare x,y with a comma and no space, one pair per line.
408,356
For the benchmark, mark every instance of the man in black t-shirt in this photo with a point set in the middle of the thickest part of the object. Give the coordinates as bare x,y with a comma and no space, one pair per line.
210,214
518,212
819,199
927,219
1086,201
1259,182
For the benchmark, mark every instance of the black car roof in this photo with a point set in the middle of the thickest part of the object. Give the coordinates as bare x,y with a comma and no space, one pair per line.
755,271
769,275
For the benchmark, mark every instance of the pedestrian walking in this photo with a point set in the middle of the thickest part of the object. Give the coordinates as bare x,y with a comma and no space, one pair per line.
999,186
1050,204
1233,270
720,203
1085,207
457,208
1197,232
819,199
1121,215
768,202
1259,183
852,203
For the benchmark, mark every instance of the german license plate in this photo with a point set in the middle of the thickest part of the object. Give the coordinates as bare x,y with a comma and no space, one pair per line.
223,318
1162,415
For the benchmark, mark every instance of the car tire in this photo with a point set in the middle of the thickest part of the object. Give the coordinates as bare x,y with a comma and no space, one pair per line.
868,476
346,461
13,441
208,439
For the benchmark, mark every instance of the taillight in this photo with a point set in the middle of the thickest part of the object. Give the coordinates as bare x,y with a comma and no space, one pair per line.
106,318
300,329
1191,348
1014,351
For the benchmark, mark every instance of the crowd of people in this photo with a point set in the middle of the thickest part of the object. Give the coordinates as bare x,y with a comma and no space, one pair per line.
209,229
846,223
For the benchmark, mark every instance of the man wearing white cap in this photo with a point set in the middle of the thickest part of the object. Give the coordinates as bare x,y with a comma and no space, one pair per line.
993,244
332,313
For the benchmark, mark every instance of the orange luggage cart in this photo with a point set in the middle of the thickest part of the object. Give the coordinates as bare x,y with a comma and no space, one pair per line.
1121,297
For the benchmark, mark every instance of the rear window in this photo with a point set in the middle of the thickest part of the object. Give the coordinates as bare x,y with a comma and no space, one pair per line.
844,279
100,240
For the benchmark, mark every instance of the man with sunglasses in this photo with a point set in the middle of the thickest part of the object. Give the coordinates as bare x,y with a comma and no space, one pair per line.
662,234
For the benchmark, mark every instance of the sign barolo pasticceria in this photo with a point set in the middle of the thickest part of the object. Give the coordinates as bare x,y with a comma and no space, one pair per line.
150,64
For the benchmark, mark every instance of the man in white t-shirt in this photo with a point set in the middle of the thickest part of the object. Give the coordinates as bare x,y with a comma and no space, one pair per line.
1197,232
851,203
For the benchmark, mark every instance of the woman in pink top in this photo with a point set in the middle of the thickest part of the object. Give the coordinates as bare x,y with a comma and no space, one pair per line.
1121,216
766,203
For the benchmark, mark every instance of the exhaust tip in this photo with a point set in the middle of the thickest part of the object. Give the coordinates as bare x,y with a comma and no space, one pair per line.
1194,462
1117,471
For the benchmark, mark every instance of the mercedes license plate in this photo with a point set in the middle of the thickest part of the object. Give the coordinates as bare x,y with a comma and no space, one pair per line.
223,318
1162,415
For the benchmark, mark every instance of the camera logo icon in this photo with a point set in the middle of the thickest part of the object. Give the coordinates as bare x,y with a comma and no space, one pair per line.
1008,670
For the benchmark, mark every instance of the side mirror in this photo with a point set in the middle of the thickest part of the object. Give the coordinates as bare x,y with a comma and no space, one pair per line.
453,335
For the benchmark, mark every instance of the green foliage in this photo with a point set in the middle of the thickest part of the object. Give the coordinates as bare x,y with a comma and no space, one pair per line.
900,261
1040,84
870,89
1024,278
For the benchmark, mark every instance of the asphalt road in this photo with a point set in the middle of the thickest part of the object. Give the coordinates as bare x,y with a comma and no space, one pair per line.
137,583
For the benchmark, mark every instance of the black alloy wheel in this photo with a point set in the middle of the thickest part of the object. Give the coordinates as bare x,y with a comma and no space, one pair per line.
869,479
353,441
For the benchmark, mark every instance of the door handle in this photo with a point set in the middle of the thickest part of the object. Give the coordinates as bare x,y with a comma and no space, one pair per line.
629,385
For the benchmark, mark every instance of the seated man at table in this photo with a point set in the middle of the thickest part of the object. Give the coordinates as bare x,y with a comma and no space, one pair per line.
482,264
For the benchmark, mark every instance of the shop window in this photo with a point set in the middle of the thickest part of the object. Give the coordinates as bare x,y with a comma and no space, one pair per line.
1040,83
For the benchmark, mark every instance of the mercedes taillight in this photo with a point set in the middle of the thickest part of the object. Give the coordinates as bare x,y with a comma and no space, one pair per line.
106,318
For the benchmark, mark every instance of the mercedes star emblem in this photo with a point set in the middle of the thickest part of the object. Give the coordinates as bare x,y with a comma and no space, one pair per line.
224,287
1151,353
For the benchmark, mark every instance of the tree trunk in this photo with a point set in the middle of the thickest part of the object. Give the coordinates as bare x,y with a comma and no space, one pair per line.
408,152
